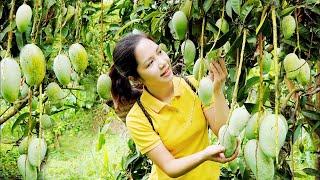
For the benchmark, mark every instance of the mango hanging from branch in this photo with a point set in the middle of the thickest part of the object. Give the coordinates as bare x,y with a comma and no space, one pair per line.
199,69
227,140
23,17
79,57
104,86
261,165
304,73
36,151
205,91
291,65
10,76
238,120
179,25
62,69
272,134
223,25
253,125
54,93
33,64
25,168
186,7
288,26
188,50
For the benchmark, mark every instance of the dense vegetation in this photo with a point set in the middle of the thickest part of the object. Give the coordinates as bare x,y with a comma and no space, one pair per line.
55,55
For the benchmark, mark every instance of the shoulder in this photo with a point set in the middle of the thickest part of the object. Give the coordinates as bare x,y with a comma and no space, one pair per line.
193,80
134,114
141,130
136,119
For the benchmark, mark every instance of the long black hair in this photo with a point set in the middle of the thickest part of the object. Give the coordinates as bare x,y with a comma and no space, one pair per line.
124,65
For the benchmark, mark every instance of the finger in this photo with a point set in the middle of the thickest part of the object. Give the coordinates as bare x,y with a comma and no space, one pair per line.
235,155
222,155
220,160
214,70
218,67
223,65
218,149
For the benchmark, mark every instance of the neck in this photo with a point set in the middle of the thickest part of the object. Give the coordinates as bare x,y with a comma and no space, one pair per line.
163,92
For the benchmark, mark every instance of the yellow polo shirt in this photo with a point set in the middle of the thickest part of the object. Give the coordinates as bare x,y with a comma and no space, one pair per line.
181,125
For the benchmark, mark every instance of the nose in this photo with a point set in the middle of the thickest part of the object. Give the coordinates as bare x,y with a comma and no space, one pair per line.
162,63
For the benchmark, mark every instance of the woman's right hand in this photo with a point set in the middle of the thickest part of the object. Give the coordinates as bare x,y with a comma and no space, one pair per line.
216,153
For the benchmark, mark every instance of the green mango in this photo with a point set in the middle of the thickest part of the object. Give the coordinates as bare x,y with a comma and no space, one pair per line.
23,17
33,64
10,78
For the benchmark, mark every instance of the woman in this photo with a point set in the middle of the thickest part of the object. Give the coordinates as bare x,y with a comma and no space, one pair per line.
168,123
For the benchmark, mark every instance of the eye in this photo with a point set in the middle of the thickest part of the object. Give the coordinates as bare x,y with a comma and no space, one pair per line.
150,62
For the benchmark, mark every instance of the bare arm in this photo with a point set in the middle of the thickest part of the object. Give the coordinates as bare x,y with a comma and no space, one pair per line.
217,115
177,167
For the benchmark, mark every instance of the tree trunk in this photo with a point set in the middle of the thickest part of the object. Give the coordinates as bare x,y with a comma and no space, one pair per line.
318,109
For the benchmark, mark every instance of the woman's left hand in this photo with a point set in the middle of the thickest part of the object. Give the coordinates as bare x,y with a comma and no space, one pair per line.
218,74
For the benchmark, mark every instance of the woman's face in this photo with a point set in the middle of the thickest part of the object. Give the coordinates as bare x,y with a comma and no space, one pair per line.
154,65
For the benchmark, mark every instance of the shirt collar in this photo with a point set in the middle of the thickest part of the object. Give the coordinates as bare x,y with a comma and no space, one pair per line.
154,103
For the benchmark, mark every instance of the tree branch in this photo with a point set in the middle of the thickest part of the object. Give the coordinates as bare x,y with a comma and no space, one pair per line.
13,112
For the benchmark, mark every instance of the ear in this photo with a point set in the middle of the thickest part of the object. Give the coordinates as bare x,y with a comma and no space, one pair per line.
131,78
134,79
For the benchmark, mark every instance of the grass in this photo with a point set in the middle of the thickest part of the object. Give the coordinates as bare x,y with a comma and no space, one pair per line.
77,158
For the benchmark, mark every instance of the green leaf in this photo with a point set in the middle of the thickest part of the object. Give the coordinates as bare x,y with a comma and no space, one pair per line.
287,11
293,44
207,5
261,24
224,38
156,23
312,172
151,15
126,25
18,120
245,10
19,39
312,1
210,27
252,108
213,55
251,82
313,115
235,44
236,6
297,133
147,3
108,51
298,175
101,141
229,8
131,159
266,93
4,32
33,125
315,10
314,127
196,5
70,13
131,145
49,3
1,11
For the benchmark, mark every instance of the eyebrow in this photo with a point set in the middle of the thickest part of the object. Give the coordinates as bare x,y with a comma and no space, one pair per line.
158,48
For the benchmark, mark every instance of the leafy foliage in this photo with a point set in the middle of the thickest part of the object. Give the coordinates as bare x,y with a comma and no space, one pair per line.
56,24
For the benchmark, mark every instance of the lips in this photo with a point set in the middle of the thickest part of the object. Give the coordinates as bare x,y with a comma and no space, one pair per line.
165,72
